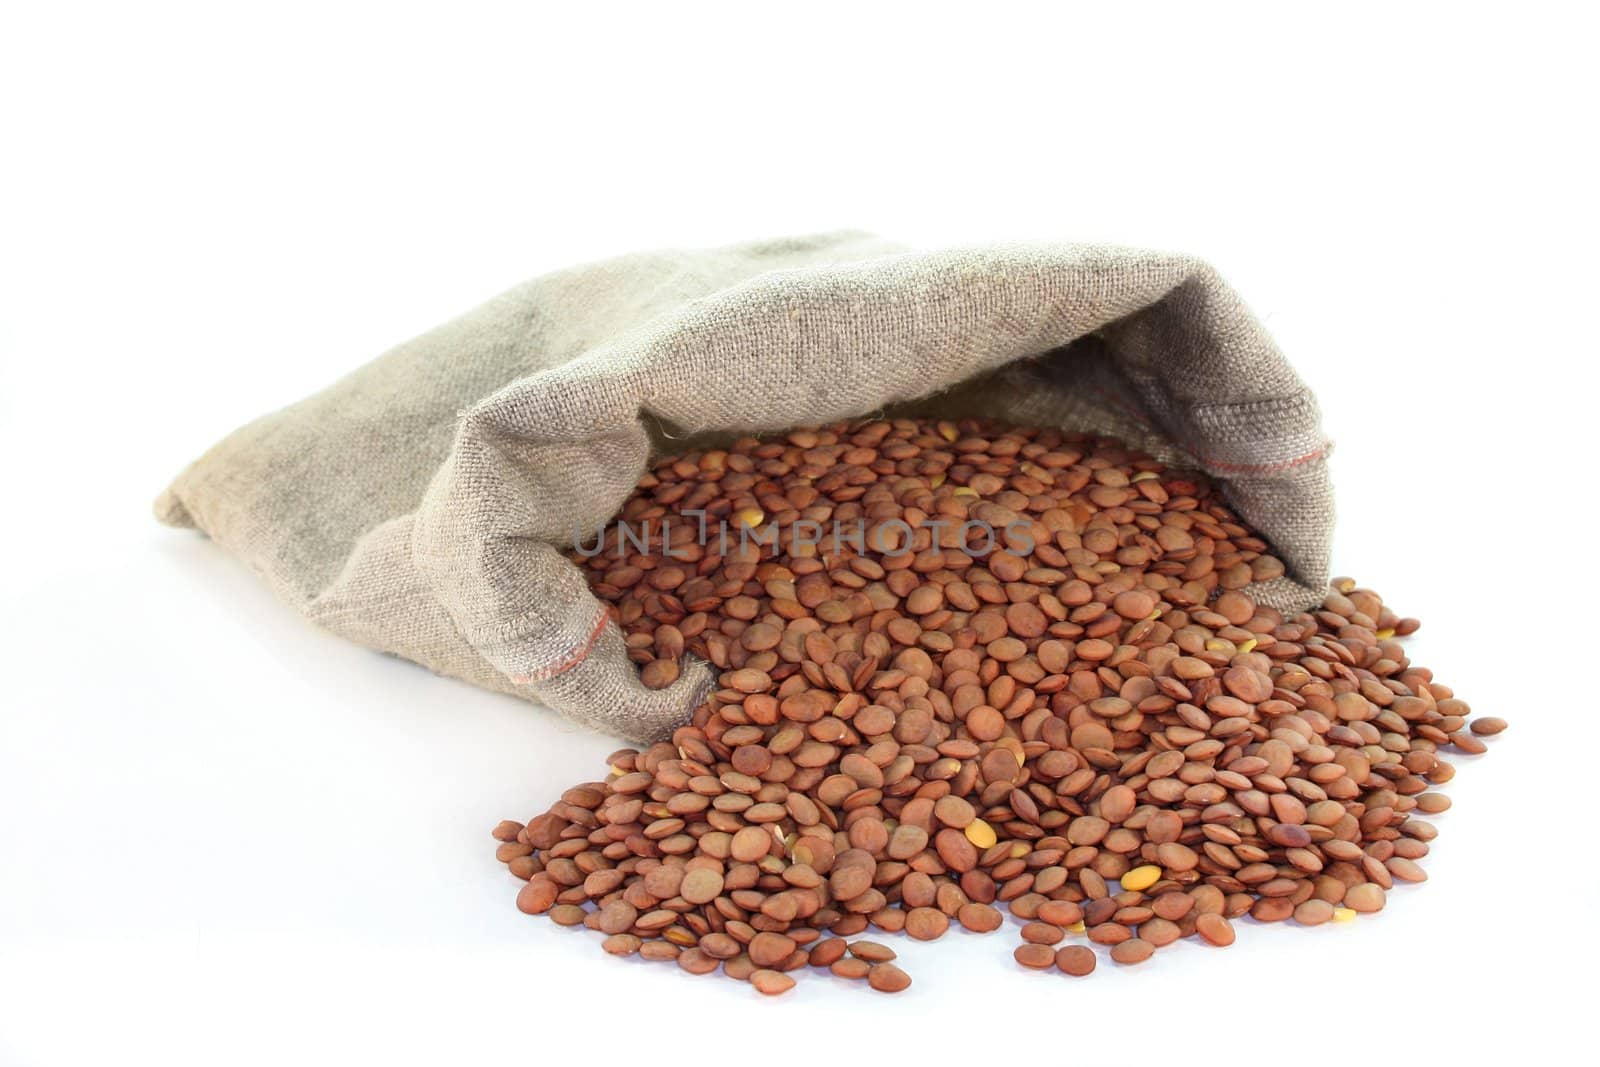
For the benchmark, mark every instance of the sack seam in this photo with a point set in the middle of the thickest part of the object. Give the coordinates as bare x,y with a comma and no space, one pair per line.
572,658
1279,403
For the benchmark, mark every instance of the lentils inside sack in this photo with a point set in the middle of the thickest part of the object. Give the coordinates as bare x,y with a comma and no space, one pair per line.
966,667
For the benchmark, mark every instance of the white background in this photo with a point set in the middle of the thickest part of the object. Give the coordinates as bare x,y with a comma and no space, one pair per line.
226,837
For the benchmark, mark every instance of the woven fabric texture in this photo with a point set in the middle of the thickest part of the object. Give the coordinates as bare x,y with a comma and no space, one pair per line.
421,505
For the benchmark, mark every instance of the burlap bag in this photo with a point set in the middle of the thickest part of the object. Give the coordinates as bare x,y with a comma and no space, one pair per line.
419,506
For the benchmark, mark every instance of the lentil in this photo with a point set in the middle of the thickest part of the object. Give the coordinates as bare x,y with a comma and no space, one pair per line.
887,978
1062,688
1034,956
772,983
1075,960
1134,951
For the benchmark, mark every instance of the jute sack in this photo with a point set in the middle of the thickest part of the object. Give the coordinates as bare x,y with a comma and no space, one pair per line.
420,505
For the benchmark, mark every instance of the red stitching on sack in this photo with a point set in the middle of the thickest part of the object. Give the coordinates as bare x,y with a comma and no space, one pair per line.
571,660
1266,468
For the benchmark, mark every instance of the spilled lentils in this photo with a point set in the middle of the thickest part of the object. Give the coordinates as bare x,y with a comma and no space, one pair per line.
998,668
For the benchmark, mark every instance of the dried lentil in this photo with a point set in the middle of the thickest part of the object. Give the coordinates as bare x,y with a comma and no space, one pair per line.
926,722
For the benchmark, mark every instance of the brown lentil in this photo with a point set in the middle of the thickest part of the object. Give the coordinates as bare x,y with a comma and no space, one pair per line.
1215,929
1095,724
772,983
828,952
926,924
1075,960
697,962
887,978
1134,951
1042,933
980,918
1366,897
871,951
1313,912
851,968
621,944
1037,957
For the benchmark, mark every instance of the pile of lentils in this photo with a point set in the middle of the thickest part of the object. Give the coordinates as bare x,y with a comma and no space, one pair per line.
1061,699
